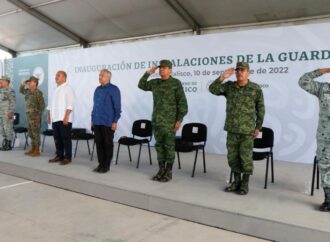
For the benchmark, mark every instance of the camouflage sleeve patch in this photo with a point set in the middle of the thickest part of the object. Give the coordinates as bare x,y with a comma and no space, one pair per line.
307,82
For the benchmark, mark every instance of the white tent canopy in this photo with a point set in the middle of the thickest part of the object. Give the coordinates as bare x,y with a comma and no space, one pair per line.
40,24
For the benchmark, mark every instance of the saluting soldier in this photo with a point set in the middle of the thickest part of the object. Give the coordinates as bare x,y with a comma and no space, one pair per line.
169,108
322,91
244,117
35,105
7,108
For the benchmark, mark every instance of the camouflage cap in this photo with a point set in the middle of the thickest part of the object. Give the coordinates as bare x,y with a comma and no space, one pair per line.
165,63
242,65
33,78
5,78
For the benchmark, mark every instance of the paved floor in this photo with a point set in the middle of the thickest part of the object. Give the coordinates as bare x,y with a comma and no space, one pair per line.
31,211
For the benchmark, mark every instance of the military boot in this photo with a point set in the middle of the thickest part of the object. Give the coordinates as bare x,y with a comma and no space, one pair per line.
244,189
160,172
7,145
235,185
325,206
36,152
4,142
167,176
30,151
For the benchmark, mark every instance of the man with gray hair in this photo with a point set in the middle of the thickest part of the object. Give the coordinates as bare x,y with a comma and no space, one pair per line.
105,115
7,108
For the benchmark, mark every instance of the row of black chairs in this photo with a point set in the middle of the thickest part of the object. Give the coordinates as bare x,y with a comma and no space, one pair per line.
193,138
77,134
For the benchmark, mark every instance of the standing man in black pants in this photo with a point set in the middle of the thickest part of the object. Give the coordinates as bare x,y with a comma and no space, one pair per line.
60,115
105,115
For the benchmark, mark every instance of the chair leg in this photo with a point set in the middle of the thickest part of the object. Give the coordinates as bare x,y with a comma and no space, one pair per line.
317,175
93,151
193,172
75,151
117,154
272,166
15,136
149,153
26,141
138,161
89,150
177,153
43,143
204,160
266,174
129,153
313,176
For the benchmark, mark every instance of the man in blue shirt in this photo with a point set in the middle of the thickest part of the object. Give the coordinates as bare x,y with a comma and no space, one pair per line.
105,115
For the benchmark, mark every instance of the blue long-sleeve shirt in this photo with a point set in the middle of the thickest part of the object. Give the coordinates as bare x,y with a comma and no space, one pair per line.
107,105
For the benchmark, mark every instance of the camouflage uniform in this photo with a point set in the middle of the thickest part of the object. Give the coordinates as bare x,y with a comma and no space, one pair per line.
35,105
170,105
7,105
244,114
322,92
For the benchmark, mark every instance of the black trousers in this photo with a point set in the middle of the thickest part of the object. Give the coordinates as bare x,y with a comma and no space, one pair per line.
104,145
63,141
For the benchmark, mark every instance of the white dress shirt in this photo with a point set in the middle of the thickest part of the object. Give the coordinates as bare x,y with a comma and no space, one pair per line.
62,100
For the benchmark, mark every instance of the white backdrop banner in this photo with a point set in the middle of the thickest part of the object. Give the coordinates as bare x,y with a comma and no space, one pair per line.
277,56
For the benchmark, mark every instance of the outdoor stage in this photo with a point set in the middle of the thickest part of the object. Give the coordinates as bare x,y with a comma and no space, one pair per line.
280,213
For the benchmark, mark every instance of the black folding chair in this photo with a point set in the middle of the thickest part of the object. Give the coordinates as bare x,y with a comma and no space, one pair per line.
317,171
265,142
19,130
192,133
81,134
141,128
49,133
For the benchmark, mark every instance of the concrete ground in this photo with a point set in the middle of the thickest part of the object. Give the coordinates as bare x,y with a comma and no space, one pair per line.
283,212
34,212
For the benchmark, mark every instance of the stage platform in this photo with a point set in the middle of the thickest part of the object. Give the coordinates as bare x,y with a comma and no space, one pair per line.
283,212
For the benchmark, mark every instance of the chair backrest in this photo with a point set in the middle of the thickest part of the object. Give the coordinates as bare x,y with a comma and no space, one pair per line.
266,140
194,132
142,128
77,131
16,118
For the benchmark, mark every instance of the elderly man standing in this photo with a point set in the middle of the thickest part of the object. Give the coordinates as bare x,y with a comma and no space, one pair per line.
7,107
105,115
170,107
322,91
35,105
60,115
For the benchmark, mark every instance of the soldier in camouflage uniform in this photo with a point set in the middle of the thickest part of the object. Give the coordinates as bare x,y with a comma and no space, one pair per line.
322,91
244,117
170,106
7,107
35,105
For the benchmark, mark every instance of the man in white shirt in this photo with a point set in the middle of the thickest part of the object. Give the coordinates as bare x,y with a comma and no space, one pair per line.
60,115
